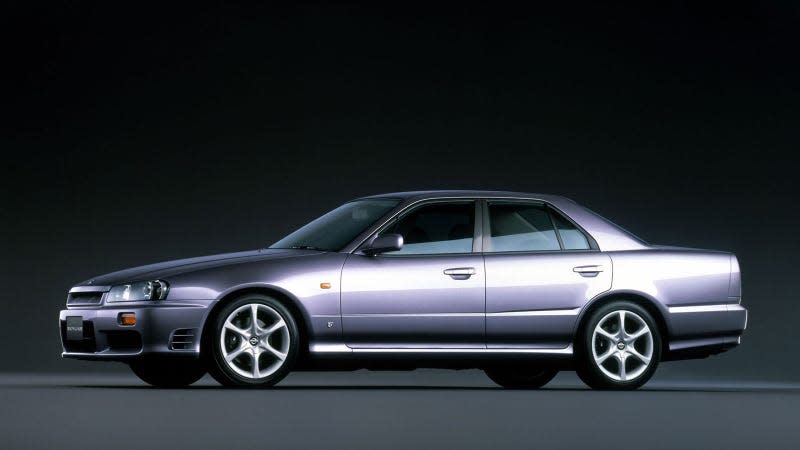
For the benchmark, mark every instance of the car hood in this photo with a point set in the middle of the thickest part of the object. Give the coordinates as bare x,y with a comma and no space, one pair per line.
175,267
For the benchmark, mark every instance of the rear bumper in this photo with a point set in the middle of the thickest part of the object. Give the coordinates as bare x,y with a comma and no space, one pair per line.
172,329
699,331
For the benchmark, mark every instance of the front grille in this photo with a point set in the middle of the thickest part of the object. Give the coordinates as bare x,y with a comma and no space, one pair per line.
124,340
84,298
182,339
86,345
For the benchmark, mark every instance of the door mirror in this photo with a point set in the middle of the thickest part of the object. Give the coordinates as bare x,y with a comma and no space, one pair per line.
384,243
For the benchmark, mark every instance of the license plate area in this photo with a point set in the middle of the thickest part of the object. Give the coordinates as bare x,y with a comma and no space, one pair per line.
74,328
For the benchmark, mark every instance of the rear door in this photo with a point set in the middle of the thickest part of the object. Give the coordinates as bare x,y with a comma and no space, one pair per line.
541,269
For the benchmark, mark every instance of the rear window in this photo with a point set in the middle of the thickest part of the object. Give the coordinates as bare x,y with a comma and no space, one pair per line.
520,227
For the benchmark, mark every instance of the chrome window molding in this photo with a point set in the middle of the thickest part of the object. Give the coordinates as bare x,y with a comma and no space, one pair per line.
359,241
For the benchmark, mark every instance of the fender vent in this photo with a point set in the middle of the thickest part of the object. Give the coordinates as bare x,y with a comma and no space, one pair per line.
182,339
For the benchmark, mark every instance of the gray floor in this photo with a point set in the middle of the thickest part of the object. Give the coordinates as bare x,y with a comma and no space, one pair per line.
420,409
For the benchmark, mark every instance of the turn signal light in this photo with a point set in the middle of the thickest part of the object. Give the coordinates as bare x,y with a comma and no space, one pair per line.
127,319
324,285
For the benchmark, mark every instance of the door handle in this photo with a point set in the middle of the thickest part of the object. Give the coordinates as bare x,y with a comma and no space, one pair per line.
588,271
460,273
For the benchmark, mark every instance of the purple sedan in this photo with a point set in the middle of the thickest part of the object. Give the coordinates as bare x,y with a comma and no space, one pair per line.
519,285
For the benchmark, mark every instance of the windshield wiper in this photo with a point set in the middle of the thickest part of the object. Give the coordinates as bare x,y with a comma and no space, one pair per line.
308,247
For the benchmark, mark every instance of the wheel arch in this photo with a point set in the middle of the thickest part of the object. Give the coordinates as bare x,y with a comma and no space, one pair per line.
651,305
285,298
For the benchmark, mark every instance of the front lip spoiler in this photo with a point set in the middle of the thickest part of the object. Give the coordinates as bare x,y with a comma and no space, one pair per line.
127,357
88,355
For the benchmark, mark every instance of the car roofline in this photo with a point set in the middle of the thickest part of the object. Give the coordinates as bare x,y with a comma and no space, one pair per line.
608,235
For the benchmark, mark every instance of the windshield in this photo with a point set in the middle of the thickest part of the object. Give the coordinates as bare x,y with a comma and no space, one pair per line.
334,230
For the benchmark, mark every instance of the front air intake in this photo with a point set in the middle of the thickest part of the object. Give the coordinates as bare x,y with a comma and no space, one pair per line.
182,339
84,298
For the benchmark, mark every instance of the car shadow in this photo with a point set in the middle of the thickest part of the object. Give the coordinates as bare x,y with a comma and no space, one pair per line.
654,389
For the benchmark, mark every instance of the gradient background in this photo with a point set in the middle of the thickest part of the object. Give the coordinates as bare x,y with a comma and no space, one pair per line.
135,133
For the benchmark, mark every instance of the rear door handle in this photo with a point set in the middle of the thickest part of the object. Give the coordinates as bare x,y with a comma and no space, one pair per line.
588,271
460,273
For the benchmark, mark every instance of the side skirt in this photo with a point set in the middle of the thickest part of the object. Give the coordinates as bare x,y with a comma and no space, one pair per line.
342,357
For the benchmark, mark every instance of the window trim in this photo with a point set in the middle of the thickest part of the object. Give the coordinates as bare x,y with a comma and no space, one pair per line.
589,239
550,210
477,241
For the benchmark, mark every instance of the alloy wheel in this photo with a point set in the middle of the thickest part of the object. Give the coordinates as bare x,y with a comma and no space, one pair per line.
622,345
254,341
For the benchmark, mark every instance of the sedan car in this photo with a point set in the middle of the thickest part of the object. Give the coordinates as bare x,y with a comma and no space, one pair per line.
518,285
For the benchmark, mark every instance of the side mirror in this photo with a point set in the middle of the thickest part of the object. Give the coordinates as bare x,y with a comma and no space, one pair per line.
384,243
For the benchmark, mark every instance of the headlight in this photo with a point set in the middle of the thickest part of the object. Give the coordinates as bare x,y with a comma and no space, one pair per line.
135,292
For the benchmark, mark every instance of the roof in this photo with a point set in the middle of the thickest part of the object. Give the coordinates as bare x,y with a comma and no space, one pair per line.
609,236
418,195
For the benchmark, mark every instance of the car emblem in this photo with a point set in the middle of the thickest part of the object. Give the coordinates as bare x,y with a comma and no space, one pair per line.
253,341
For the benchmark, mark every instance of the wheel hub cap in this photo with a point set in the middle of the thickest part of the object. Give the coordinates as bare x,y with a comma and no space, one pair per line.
253,341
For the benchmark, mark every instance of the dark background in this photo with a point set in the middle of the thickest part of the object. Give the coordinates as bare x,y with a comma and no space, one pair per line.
133,133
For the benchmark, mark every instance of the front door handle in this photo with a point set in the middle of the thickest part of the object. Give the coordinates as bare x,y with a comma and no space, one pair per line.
588,271
460,273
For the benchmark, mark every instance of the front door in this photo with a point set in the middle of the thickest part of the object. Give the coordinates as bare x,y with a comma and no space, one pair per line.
429,294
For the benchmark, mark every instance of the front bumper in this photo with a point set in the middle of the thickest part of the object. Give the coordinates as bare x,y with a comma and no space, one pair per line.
169,328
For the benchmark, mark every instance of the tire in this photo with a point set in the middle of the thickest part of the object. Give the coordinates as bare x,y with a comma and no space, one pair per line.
168,373
603,353
512,378
232,346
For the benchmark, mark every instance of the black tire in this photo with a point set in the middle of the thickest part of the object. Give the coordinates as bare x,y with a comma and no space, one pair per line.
521,378
597,377
168,373
213,343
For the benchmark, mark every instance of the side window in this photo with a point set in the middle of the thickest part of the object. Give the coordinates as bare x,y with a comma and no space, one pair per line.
571,237
520,227
436,228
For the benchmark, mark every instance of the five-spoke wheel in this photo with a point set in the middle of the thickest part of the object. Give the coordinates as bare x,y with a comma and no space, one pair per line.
254,342
619,347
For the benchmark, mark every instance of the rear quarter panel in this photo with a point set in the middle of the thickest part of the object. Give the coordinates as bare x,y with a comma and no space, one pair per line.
674,277
680,278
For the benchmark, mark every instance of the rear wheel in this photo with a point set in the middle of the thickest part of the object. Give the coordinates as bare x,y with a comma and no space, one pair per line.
521,378
252,342
619,348
168,372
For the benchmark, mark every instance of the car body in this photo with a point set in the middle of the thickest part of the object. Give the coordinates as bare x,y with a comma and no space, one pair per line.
511,284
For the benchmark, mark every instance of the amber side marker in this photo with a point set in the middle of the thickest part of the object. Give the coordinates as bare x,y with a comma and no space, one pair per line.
127,318
325,285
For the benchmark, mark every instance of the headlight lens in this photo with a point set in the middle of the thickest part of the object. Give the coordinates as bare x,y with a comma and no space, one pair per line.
136,292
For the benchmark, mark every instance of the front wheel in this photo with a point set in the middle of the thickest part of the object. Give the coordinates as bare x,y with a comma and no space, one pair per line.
252,342
619,348
170,373
513,378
